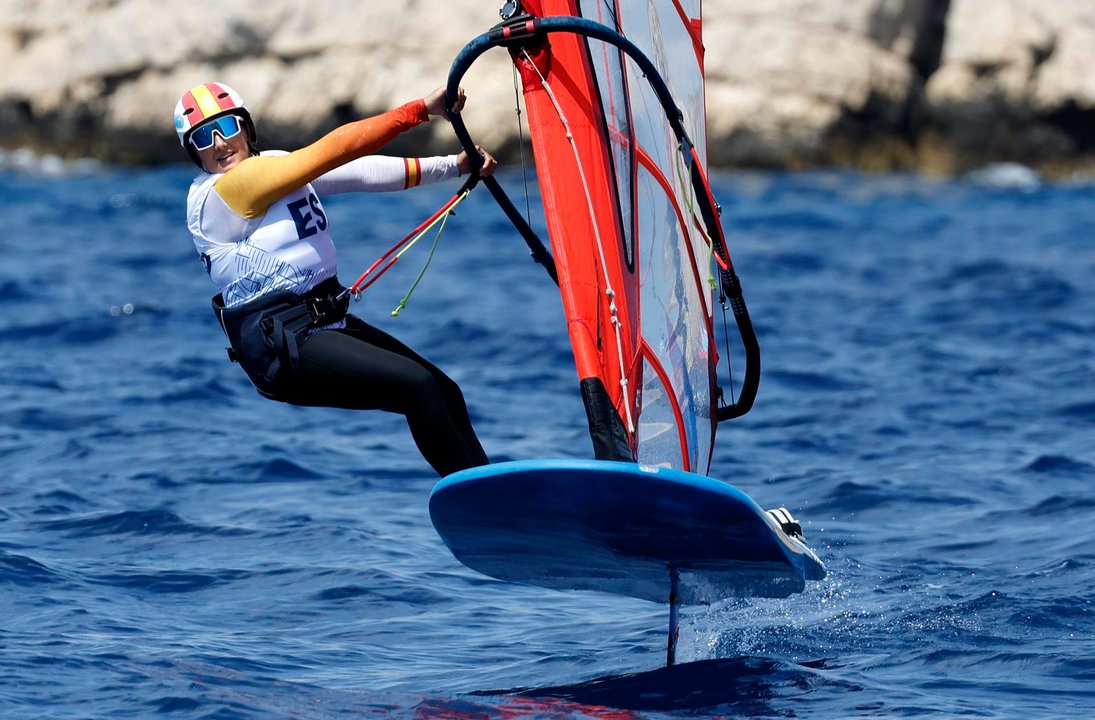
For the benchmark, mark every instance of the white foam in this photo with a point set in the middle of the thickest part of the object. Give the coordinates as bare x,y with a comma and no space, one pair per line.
1012,176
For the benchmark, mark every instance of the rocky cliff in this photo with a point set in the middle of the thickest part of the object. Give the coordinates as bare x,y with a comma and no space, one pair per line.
937,85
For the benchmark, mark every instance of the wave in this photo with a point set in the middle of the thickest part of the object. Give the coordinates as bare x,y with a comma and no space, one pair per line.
814,381
1063,505
1083,411
993,283
275,470
1058,465
23,570
52,419
12,291
851,497
83,329
168,581
383,589
134,522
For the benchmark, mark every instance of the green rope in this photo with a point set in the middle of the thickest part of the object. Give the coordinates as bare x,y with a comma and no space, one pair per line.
429,258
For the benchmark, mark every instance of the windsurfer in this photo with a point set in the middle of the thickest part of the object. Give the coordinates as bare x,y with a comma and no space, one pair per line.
263,237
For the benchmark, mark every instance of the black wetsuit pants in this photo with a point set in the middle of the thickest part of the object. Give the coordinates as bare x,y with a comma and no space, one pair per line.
363,368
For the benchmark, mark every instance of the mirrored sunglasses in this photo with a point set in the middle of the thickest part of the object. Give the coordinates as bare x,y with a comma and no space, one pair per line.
227,126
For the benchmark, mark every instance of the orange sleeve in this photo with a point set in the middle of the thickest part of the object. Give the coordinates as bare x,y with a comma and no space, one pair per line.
257,182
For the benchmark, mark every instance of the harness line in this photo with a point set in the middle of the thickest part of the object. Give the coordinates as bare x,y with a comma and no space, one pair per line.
382,264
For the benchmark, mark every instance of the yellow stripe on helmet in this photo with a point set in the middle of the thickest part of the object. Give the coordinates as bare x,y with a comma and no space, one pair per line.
207,104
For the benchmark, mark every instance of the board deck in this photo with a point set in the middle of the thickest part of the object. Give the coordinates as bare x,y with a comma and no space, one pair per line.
617,528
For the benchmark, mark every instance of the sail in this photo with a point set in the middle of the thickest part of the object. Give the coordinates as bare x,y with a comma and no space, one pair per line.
633,257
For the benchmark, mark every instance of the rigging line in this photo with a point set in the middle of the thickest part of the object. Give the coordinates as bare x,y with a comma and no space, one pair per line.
688,190
689,194
610,9
521,143
726,342
609,292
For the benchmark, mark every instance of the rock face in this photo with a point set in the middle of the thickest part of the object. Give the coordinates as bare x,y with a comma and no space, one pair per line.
939,85
1016,80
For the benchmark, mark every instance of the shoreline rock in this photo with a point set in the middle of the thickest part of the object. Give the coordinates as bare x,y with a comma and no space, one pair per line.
937,86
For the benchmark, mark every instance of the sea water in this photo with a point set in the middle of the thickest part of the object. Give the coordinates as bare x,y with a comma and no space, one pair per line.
172,544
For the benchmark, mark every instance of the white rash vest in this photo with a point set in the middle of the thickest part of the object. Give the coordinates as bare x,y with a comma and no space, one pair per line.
289,246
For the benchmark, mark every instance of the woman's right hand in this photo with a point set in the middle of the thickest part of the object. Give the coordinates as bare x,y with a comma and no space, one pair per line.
435,102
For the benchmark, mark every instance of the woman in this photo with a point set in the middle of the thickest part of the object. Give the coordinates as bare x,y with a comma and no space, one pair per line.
263,236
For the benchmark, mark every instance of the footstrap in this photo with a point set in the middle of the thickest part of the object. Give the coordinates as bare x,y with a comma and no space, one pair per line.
787,522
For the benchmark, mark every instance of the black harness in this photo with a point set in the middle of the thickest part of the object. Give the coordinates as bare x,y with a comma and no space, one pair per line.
265,335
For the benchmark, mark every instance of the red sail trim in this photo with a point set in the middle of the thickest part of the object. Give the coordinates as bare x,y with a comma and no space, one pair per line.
671,395
647,163
695,31
651,167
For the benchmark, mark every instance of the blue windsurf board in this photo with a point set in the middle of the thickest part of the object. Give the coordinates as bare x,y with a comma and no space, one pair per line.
619,528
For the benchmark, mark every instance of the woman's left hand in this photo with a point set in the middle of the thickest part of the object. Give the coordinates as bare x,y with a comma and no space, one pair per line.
463,162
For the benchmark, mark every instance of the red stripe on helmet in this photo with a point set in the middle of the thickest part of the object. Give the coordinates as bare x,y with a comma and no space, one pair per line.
189,106
221,96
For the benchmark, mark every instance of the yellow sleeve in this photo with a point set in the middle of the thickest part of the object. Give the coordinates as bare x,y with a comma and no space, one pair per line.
257,182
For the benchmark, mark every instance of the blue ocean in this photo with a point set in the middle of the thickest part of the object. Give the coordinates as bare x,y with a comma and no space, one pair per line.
172,545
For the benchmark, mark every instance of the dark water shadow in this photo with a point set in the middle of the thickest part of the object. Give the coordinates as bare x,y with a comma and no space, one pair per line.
740,686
